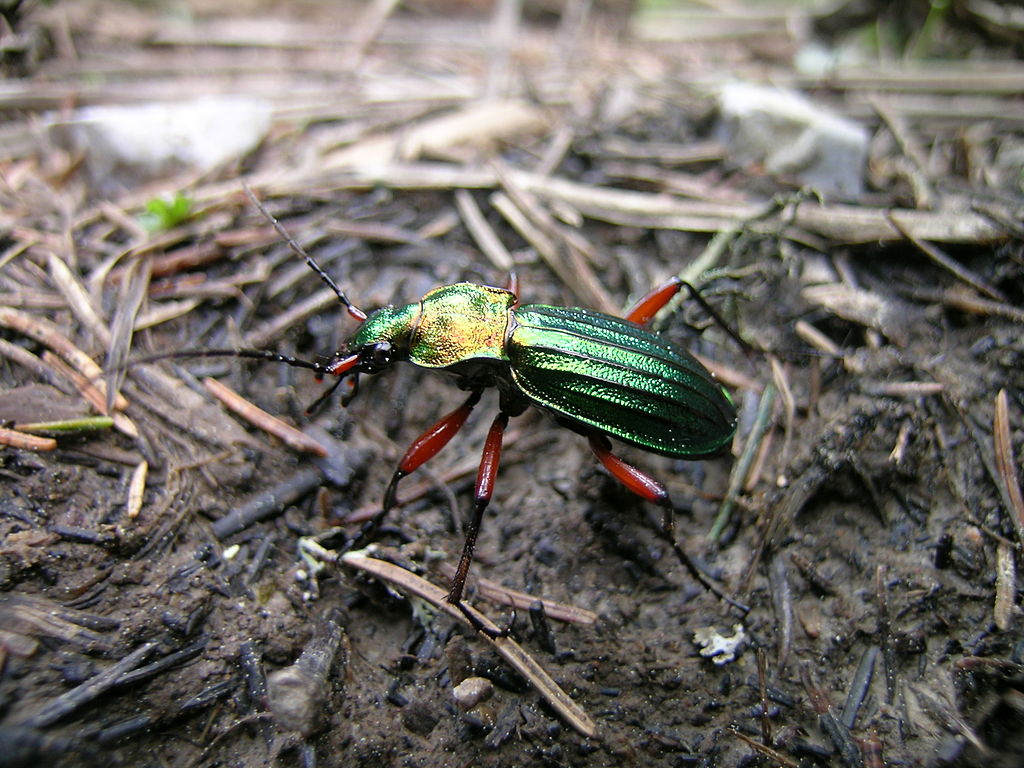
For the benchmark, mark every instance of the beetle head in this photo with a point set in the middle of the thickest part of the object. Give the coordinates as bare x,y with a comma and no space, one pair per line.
381,340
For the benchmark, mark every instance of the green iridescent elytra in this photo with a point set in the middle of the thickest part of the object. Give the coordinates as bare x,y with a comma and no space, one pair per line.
593,372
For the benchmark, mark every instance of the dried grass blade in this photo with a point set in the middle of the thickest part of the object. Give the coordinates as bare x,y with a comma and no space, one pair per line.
1006,585
49,335
15,439
490,590
78,299
137,489
132,292
482,232
1005,464
93,391
256,416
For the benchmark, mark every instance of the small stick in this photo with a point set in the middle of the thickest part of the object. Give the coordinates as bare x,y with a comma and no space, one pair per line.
762,689
958,270
788,406
782,602
885,635
817,339
76,698
905,388
267,503
765,750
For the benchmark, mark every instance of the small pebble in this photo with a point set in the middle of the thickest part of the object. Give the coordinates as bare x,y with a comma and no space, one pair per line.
471,692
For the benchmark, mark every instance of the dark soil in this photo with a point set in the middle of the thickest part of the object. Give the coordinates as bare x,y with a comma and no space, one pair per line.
873,544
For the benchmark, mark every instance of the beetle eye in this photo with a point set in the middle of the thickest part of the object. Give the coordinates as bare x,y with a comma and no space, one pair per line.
380,354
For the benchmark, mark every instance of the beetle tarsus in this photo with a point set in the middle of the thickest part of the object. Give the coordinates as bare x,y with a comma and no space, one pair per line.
391,494
650,489
482,628
668,533
485,477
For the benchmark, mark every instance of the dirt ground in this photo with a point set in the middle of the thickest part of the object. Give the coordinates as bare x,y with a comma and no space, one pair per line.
872,518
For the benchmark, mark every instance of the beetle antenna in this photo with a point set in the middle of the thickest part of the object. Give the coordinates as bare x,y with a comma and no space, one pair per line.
297,249
253,354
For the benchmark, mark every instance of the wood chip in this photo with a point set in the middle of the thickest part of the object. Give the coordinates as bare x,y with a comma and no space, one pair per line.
470,128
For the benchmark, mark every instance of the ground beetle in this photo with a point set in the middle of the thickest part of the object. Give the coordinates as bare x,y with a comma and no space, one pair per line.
599,375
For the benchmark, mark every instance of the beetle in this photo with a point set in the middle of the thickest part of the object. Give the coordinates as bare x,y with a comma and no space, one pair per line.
599,375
